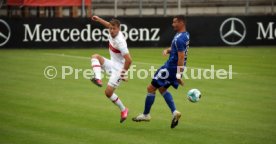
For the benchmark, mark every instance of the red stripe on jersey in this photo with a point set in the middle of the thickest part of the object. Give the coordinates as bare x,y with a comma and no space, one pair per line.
96,66
113,49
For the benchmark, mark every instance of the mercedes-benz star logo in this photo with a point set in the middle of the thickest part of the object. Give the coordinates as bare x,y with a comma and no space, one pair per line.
5,32
232,31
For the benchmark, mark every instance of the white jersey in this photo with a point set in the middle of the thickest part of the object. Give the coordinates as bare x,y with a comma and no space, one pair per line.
117,48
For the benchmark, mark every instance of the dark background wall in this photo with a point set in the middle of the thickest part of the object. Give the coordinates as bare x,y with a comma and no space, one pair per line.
140,32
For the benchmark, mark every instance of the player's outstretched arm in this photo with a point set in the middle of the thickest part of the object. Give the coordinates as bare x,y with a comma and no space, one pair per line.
101,21
166,51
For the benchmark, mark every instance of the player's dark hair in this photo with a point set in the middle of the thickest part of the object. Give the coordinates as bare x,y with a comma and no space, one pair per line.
115,22
181,18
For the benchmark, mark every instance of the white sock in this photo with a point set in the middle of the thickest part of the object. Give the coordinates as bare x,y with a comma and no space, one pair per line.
115,99
96,66
175,112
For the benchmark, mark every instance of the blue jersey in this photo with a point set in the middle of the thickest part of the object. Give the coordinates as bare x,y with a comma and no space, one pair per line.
180,43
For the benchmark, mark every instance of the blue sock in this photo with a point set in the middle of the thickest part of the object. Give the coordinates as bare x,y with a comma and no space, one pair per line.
169,100
149,101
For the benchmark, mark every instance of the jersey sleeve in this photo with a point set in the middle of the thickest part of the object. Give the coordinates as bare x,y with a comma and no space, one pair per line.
122,46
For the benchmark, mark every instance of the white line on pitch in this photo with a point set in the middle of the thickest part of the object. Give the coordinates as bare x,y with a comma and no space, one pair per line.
137,62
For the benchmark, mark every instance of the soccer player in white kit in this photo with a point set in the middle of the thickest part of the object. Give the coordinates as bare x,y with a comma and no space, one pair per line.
118,64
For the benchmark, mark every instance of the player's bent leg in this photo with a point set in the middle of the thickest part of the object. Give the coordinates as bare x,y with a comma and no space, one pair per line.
145,116
162,90
149,99
109,92
99,57
151,89
169,100
176,117
96,62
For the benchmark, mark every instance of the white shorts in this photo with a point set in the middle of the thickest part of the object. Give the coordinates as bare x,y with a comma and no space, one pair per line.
113,70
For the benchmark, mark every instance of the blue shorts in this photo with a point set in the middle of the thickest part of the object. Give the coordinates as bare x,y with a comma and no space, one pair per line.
165,77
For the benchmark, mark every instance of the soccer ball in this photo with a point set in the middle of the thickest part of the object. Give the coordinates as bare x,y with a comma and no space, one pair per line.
194,95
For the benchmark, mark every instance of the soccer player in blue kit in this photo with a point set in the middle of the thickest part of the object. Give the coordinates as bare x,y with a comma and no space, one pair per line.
170,73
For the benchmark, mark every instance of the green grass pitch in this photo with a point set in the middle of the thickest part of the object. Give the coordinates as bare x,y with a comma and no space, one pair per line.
35,110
